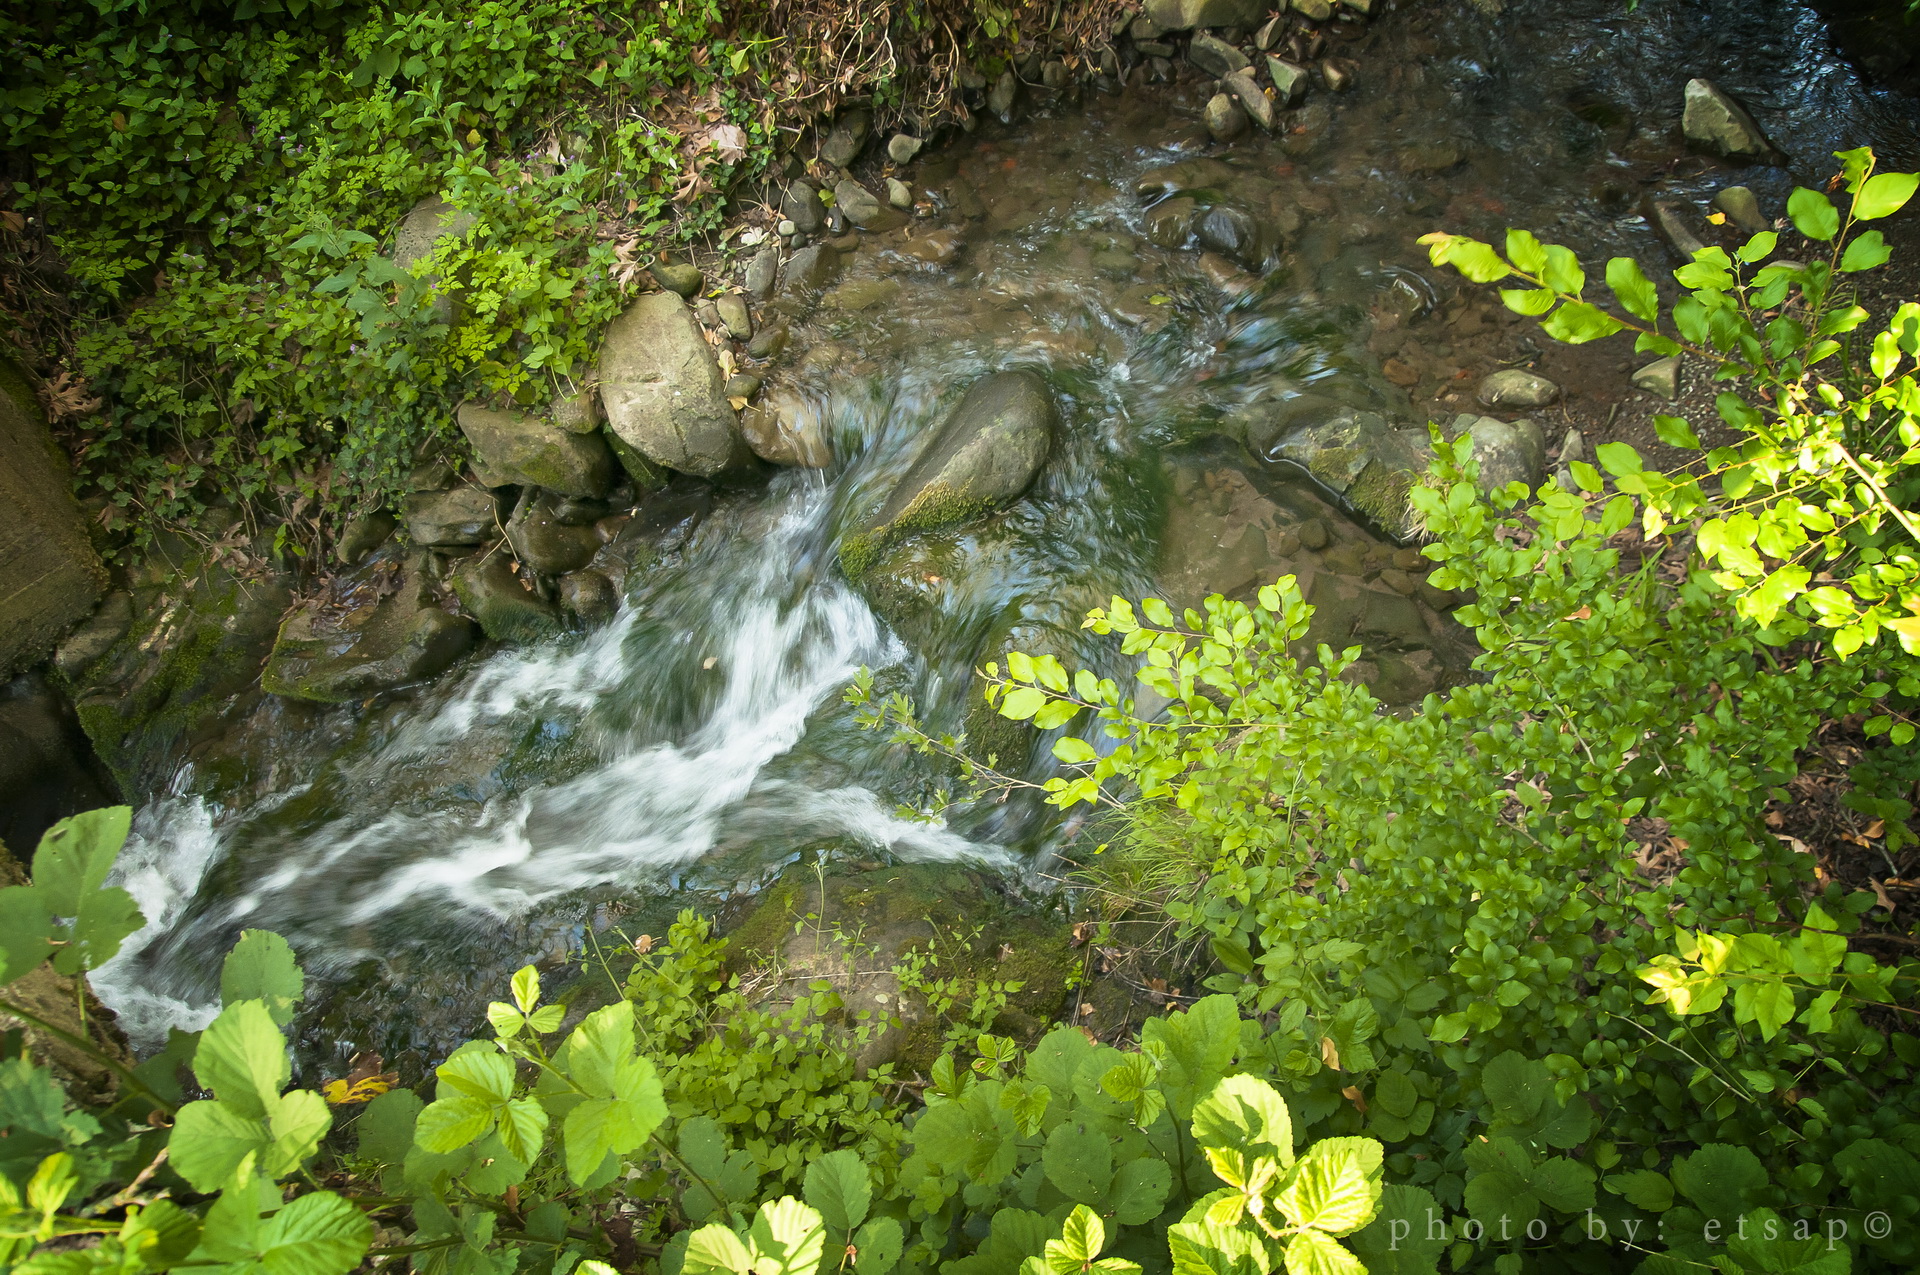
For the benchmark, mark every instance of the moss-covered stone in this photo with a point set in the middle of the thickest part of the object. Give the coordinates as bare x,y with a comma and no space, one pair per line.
858,929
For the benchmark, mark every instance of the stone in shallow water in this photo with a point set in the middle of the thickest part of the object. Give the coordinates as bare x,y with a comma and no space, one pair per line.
1741,208
362,536
1517,388
734,316
801,205
787,429
1215,56
763,272
506,607
1716,122
847,139
400,640
1182,177
983,456
1258,106
589,595
902,147
1359,457
542,540
1225,120
1005,95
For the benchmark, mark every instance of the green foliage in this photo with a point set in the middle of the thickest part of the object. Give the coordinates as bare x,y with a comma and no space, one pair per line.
1806,518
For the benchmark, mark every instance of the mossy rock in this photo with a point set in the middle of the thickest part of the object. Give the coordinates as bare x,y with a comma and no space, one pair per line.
866,920
400,640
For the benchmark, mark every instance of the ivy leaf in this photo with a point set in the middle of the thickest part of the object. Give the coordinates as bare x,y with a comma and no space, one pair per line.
1335,1186
261,967
837,1184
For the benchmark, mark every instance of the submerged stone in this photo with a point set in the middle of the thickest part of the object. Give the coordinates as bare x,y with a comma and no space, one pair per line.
1369,465
983,456
1225,120
787,429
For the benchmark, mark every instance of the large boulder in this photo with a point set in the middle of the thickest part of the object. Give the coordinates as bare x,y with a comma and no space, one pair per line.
1716,122
333,656
663,392
526,450
50,576
1186,15
981,457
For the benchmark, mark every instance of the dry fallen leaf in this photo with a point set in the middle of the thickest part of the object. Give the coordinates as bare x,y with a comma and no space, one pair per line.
1880,893
1329,1052
1353,1095
729,140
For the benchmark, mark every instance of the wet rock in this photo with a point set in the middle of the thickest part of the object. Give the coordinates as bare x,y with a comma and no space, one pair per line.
661,388
1224,118
899,194
863,210
1144,28
1741,208
678,277
1258,106
1270,32
812,268
763,272
768,341
862,294
742,385
1336,74
528,451
1159,52
1514,387
96,635
1507,451
801,205
1674,225
902,147
1313,534
935,247
578,511
399,641
1215,56
1360,458
589,595
544,542
362,536
451,519
436,474
734,316
1186,15
50,573
983,456
786,428
1054,75
504,604
965,200
1232,232
1434,157
1224,275
1715,122
1004,97
1170,222
1182,177
641,472
1318,10
1223,536
847,139
1662,377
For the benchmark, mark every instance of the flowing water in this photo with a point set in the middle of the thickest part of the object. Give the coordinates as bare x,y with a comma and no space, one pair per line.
416,849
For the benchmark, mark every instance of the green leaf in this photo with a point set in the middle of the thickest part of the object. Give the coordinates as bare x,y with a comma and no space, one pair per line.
788,1238
211,1139
242,1058
1562,271
1675,432
1764,1241
837,1185
1578,322
1246,1113
1140,1189
1813,214
525,988
1079,1162
1022,702
297,1122
1883,195
1528,301
70,870
1081,1238
1632,288
523,1127
1074,752
316,1234
1644,1189
877,1247
449,1123
1619,459
1199,1046
261,967
385,1126
1214,1248
1865,252
26,926
1313,1253
625,1104
1335,1186
1718,1178
1400,1240
1526,252
717,1249
1476,260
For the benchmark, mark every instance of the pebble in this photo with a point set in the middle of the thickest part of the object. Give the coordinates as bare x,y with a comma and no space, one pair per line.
678,277
1289,80
1257,105
1313,534
1225,120
734,315
899,194
768,341
902,147
1337,77
1318,10
1741,208
1517,388
1215,56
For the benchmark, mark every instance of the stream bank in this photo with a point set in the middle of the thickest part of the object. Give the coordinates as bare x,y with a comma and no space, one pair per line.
1241,343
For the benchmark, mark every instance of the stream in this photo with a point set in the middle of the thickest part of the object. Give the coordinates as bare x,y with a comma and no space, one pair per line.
418,848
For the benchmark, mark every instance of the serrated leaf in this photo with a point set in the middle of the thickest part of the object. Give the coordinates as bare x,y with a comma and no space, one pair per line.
715,1248
261,967
1313,1253
242,1058
1079,1162
837,1184
877,1247
316,1234
526,988
1335,1186
788,1238
1245,1113
210,1140
1140,1189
